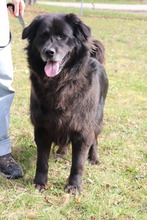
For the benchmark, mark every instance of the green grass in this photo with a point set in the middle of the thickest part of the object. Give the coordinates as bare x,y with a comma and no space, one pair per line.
115,189
104,1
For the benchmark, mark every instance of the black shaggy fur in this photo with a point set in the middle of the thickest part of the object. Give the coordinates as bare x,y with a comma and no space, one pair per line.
68,107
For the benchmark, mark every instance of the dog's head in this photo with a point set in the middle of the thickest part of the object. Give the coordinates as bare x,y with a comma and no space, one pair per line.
54,37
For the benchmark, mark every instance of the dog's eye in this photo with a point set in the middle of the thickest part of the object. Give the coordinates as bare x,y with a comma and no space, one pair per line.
45,34
61,37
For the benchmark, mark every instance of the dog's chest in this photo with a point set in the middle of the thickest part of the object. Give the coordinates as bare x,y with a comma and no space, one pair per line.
62,95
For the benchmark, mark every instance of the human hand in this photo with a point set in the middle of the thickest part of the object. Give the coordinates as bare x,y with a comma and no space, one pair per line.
19,7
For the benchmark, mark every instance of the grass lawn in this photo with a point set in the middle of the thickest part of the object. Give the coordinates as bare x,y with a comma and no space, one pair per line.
104,1
117,188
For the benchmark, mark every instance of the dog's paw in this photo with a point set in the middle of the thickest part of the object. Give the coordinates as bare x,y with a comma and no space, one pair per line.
40,187
93,159
62,150
73,190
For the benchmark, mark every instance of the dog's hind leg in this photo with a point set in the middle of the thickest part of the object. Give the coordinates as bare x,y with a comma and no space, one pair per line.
93,153
43,150
63,149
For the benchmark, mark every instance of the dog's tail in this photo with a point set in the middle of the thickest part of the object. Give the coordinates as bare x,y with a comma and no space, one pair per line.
98,51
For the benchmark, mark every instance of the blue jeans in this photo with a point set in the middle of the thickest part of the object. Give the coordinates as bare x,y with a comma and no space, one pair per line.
6,77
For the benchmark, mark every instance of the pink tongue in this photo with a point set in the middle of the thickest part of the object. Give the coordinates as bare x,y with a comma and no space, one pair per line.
51,69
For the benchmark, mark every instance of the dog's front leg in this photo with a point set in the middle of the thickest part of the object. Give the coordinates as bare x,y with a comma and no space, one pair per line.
80,150
43,150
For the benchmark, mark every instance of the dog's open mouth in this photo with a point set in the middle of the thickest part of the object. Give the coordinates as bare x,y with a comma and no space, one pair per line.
51,69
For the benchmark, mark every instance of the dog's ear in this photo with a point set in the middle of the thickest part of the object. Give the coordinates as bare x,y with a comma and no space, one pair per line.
30,31
80,30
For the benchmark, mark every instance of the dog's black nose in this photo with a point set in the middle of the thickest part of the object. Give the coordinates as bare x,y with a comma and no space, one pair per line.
50,52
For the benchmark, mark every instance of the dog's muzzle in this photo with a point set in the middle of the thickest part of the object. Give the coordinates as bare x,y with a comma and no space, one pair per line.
50,52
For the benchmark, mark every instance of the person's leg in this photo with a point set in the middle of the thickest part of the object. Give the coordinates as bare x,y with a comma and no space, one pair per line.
6,98
8,166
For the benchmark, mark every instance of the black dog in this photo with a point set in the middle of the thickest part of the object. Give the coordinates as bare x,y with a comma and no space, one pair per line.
68,91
